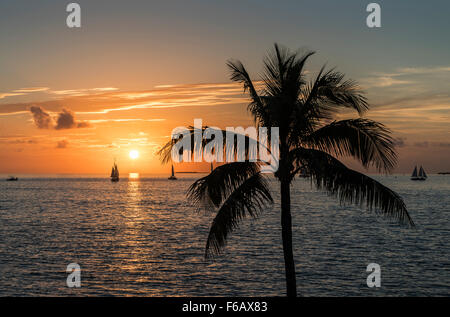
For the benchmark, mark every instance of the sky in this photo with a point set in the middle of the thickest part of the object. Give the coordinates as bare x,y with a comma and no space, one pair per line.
74,99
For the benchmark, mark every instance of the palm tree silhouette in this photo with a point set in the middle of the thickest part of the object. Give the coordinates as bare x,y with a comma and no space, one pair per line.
310,142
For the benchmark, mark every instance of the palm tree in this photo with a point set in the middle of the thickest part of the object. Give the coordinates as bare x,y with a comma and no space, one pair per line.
310,140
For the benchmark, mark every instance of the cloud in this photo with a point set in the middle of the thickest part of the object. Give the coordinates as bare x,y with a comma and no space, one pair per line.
8,94
82,92
105,100
422,144
126,120
64,120
22,91
386,81
426,144
42,119
31,89
175,96
62,144
23,141
106,146
405,76
423,70
399,142
18,140
57,93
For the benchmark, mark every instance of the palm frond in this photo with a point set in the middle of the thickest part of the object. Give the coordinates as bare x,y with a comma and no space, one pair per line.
165,153
345,93
239,74
210,191
248,199
283,72
350,186
328,93
368,141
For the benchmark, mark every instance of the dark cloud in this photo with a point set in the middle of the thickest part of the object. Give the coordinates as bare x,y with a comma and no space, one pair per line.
426,144
23,141
41,118
83,124
65,120
399,142
422,144
62,144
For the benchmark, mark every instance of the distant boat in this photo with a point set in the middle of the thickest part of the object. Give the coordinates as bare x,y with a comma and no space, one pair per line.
172,177
12,178
114,173
421,176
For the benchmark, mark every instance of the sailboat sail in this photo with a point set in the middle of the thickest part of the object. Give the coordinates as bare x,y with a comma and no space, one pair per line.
414,174
422,173
114,173
172,177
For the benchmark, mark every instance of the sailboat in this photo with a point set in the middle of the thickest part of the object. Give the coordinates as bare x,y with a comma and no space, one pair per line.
172,177
421,176
114,173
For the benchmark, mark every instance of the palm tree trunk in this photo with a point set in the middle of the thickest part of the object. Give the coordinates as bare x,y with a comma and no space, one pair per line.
286,232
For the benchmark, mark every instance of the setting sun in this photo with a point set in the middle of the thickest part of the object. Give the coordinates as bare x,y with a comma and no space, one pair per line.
134,154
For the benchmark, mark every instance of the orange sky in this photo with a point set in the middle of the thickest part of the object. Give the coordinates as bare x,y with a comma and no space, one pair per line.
113,122
107,122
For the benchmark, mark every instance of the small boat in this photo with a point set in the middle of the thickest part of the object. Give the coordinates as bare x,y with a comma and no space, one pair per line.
172,177
114,173
420,176
12,178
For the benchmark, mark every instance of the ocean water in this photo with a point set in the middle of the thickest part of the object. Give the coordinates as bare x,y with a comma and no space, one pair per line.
141,237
